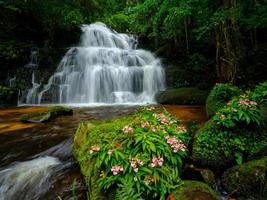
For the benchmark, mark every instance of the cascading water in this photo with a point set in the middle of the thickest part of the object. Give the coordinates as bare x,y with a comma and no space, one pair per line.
106,68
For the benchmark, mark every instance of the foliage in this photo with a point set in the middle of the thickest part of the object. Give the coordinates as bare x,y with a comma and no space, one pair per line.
142,155
219,96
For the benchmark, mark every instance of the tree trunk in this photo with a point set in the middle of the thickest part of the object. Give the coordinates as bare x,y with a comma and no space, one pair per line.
228,46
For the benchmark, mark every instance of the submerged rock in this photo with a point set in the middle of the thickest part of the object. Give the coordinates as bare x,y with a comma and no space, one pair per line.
36,117
40,117
194,190
248,179
182,96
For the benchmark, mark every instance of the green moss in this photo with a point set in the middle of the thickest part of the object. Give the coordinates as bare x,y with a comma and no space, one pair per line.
36,117
182,96
248,179
194,190
219,96
218,149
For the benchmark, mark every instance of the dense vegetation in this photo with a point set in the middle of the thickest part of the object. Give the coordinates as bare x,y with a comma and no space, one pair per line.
201,41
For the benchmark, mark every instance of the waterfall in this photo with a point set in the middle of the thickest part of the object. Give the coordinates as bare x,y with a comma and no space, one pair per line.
106,67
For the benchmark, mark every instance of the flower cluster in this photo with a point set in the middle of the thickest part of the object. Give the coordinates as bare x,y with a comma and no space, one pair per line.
163,118
181,129
145,124
176,145
157,161
135,164
116,169
94,148
150,108
247,102
110,152
128,129
148,180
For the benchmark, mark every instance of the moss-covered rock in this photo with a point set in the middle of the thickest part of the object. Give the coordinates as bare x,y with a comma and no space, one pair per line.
137,141
36,117
208,177
53,112
194,190
219,149
219,96
182,96
248,179
60,111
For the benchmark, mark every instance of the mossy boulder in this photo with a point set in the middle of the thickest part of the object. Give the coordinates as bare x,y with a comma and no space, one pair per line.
219,96
194,190
136,141
41,117
183,96
218,148
60,111
36,117
248,180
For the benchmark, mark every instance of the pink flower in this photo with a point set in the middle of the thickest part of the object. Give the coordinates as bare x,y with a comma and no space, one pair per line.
140,162
94,148
136,169
145,124
110,152
134,164
101,173
175,144
160,161
157,161
128,129
116,169
181,129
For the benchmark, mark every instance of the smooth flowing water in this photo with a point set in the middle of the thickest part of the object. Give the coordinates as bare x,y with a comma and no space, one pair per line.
105,68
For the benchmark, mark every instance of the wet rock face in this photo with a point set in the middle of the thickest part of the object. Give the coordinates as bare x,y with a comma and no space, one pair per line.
194,190
247,180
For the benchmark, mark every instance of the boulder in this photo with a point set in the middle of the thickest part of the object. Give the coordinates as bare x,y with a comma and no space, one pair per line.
182,96
247,180
194,190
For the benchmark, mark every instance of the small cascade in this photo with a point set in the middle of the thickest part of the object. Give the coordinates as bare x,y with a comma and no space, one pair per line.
105,68
27,180
32,65
12,82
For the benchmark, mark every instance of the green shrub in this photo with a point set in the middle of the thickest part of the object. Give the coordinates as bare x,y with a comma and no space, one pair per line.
141,155
182,96
219,96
